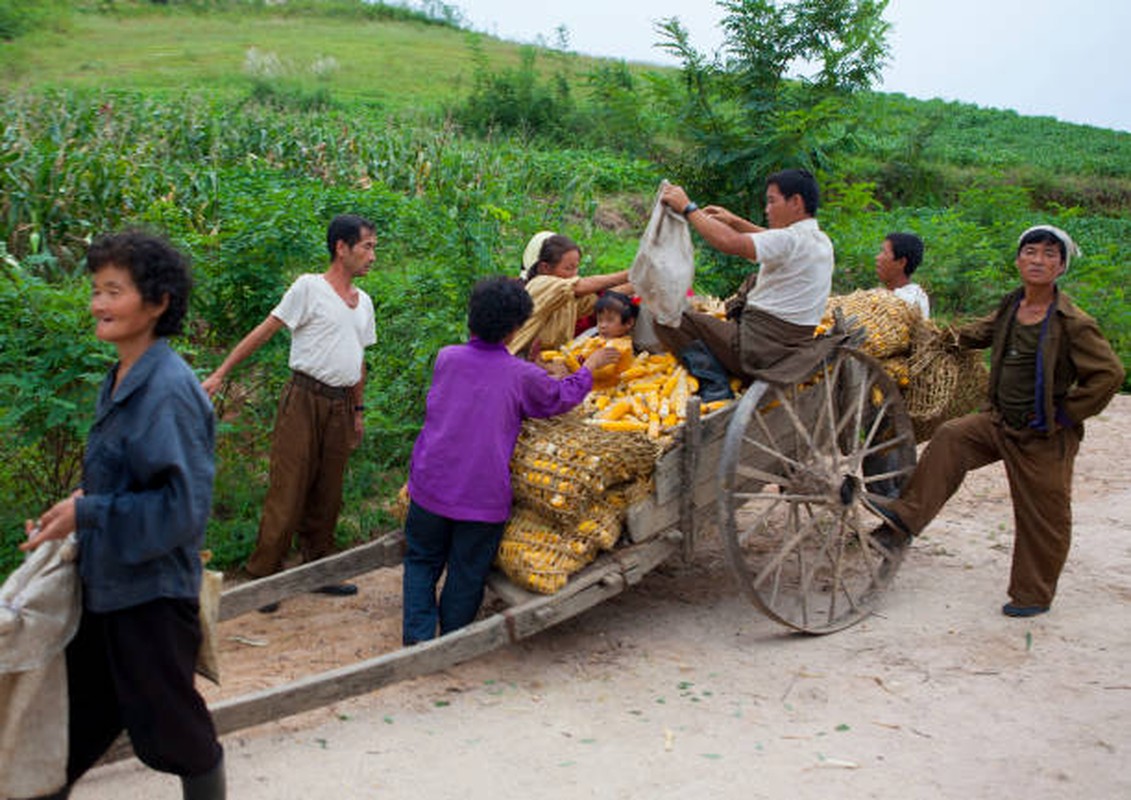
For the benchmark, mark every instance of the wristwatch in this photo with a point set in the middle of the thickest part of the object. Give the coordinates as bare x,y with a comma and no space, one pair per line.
689,208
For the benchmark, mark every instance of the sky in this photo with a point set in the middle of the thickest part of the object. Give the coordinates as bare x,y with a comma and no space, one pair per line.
1069,59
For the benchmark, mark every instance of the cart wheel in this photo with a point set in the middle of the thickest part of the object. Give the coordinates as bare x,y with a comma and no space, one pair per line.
802,472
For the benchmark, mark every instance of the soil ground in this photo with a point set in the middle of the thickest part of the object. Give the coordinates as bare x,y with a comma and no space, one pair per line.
678,688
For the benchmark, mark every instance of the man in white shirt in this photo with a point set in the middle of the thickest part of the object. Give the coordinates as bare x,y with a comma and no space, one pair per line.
319,420
784,300
899,257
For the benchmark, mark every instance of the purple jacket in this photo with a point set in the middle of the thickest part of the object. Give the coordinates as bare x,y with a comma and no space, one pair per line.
479,397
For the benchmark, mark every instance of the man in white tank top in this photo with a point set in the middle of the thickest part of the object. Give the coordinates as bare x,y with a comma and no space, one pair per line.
319,419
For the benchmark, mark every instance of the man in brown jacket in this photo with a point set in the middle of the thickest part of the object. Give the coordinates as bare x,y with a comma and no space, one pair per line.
1051,369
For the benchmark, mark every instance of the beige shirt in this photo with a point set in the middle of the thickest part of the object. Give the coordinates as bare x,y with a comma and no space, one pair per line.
556,311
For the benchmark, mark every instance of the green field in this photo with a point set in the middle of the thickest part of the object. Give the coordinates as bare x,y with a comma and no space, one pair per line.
239,129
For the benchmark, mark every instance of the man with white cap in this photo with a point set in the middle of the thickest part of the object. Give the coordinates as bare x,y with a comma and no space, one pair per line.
1051,369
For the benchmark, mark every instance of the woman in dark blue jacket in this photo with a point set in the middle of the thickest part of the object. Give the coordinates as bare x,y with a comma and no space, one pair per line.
139,517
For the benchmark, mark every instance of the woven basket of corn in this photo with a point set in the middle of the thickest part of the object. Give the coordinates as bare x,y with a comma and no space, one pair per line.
886,320
536,555
943,383
562,465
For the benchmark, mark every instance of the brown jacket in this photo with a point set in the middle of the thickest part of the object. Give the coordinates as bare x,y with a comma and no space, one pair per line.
1086,370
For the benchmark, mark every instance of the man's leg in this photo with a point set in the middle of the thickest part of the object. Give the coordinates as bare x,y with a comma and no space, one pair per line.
333,433
1040,483
719,335
958,446
292,443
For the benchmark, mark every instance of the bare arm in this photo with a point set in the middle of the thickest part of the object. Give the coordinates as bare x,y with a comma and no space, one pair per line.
723,230
248,345
592,284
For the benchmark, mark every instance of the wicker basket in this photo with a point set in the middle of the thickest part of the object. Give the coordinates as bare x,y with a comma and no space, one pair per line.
561,467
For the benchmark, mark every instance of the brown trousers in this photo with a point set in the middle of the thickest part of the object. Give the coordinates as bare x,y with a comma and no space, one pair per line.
1039,470
310,446
756,342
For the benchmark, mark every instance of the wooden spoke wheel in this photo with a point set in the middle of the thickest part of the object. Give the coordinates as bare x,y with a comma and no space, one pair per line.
803,471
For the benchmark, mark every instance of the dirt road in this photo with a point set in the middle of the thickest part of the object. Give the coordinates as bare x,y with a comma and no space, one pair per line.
679,689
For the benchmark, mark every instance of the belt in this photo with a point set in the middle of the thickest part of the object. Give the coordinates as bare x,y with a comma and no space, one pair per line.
318,387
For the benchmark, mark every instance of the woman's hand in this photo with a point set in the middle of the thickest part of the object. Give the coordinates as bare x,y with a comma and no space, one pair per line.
56,523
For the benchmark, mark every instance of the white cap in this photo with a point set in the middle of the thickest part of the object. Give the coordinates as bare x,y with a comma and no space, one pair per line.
534,249
1070,247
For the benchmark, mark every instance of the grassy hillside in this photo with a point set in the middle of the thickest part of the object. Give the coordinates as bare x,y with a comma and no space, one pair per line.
239,132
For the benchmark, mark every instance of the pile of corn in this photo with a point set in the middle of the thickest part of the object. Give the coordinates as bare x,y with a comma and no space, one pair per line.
645,393
575,475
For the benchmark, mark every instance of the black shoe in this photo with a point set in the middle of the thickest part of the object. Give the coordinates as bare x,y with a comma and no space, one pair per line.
270,608
337,589
1014,610
889,537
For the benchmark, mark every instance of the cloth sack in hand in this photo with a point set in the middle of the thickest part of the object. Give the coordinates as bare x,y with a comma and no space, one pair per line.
40,608
664,266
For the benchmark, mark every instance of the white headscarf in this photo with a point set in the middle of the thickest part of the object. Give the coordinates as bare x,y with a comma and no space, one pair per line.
533,250
1070,247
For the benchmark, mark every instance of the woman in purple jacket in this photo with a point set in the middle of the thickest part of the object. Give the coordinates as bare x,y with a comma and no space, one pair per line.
459,478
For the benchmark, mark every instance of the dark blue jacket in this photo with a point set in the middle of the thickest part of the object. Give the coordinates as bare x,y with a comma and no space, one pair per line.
147,485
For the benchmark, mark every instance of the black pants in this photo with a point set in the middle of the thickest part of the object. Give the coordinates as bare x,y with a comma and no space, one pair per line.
133,670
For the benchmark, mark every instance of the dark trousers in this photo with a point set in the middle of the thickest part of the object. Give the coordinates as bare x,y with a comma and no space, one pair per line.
310,446
132,670
745,348
466,549
1039,470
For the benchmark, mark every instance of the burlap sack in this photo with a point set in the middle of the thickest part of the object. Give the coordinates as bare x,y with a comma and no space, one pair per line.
40,608
664,266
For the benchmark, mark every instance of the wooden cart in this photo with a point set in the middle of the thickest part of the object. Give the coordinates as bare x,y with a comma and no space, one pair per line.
792,474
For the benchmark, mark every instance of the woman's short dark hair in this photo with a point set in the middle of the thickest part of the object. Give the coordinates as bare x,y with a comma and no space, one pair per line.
909,246
498,306
619,302
798,181
553,250
157,269
1042,236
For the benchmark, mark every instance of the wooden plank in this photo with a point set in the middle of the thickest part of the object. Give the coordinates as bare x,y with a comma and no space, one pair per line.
692,437
510,594
610,575
386,551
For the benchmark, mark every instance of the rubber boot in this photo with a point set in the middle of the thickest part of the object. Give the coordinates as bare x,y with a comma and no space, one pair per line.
702,363
209,786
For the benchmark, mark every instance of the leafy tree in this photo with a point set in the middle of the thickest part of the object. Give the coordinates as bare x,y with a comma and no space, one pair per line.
747,115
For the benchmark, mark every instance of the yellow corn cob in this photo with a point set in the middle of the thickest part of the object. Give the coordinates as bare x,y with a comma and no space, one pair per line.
623,425
617,410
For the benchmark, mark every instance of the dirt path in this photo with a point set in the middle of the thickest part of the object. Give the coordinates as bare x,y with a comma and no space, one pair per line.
679,689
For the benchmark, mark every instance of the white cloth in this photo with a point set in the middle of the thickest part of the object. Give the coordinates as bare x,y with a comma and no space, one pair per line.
913,295
40,608
796,272
1070,247
664,266
328,338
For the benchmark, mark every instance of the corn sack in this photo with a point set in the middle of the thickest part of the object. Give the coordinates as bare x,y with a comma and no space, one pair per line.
886,320
561,466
